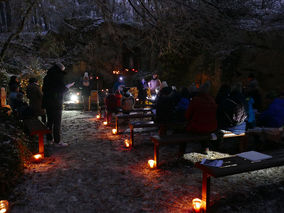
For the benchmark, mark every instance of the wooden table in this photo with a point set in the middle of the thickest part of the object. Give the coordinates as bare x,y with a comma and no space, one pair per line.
235,165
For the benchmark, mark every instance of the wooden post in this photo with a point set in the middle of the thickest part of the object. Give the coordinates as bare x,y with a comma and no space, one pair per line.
116,123
156,154
3,97
89,103
40,143
131,135
205,192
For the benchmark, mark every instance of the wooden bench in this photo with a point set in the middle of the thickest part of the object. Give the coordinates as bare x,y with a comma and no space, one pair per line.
131,116
179,139
139,124
145,110
234,165
182,139
36,127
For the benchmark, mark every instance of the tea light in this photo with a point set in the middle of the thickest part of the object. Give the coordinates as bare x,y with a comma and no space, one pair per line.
197,204
98,116
105,123
152,164
114,131
38,157
127,143
4,206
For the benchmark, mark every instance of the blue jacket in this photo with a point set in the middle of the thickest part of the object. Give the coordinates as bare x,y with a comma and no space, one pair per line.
274,115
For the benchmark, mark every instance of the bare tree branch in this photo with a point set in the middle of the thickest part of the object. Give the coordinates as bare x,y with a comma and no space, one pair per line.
18,31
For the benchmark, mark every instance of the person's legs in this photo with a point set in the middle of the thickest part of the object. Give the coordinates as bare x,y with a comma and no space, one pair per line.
57,125
50,122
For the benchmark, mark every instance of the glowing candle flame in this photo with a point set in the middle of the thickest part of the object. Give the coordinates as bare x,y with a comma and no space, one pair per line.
4,205
114,131
151,163
98,116
38,157
196,203
105,123
127,144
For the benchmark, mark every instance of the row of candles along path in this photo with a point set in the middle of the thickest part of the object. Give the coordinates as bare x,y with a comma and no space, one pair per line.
197,204
127,143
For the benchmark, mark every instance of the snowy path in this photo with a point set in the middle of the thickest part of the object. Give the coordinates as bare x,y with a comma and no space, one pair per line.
96,174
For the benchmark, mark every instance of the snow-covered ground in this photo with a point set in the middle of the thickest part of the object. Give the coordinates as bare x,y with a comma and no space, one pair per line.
97,174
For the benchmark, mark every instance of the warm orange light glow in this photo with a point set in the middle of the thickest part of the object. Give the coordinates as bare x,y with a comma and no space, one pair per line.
152,163
127,144
197,204
105,123
4,205
38,157
114,131
98,116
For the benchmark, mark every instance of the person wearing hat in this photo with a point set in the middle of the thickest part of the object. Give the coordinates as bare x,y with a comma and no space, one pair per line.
53,92
34,95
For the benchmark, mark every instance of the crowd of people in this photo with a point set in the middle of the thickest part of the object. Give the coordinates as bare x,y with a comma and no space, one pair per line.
235,108
45,102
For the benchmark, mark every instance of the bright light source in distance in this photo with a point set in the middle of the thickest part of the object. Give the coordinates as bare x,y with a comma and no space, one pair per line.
74,98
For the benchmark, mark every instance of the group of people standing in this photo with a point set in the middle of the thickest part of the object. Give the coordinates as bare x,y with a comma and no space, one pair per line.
46,102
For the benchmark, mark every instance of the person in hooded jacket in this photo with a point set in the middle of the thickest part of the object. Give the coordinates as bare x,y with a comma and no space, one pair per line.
34,95
53,92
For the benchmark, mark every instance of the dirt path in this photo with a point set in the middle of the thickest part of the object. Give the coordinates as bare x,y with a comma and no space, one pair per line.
96,174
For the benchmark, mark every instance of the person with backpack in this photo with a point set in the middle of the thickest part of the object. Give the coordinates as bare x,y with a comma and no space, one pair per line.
127,101
34,94
111,106
231,112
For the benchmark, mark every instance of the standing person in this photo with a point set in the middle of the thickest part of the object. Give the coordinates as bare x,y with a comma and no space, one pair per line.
119,84
34,95
142,87
154,84
14,83
86,90
53,91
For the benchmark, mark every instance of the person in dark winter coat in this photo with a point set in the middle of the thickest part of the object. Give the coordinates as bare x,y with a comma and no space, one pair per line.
273,117
223,93
142,87
231,112
53,92
182,104
34,95
201,112
14,84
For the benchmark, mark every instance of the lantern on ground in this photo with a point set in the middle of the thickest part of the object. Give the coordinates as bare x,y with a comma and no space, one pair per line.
114,131
4,206
152,164
197,204
105,123
38,157
127,143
